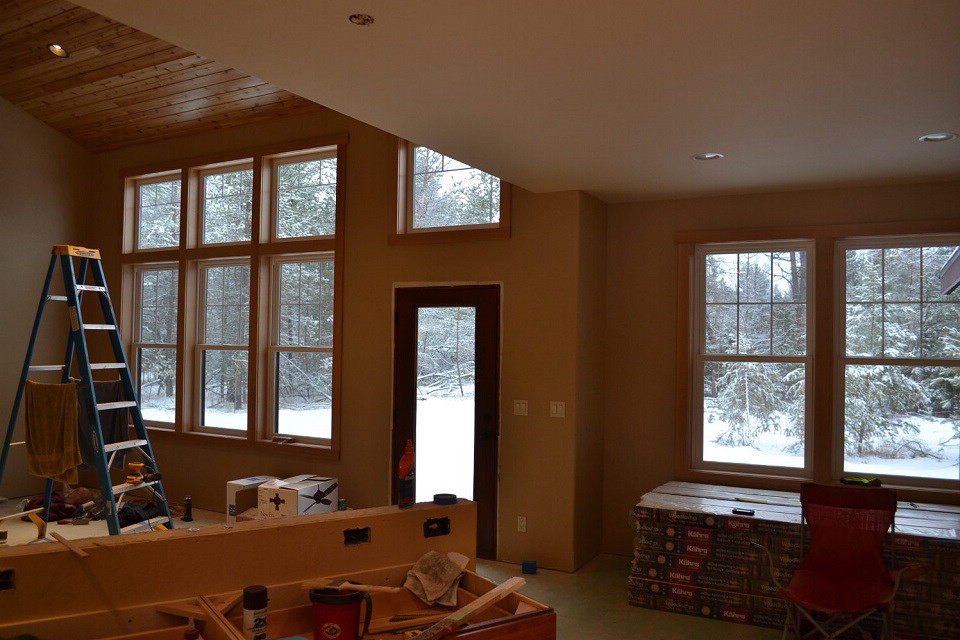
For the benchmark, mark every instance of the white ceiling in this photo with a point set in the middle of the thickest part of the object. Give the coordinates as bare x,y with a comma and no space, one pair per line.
612,97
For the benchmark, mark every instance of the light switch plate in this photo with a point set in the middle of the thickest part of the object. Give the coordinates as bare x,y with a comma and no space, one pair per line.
557,409
520,408
521,524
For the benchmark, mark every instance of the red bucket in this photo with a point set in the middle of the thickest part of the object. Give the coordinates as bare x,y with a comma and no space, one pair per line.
336,614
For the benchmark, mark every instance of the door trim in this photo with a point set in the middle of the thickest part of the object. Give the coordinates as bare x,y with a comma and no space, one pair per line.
487,300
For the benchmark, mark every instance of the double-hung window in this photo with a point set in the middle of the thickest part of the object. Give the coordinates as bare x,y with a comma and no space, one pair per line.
900,363
753,356
778,382
231,267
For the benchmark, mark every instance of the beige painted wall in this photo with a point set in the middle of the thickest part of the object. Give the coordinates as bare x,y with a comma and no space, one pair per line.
539,271
591,293
641,313
44,185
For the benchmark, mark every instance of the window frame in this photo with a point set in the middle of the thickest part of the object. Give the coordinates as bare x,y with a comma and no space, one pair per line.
842,360
699,357
259,253
404,231
827,460
274,348
136,342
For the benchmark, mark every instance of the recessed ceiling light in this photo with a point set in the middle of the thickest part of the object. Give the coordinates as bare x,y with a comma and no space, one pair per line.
361,19
58,50
939,136
709,155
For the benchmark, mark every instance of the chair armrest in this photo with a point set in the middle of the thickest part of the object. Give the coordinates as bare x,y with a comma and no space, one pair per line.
773,576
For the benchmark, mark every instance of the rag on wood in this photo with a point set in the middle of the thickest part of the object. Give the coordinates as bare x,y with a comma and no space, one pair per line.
50,414
435,577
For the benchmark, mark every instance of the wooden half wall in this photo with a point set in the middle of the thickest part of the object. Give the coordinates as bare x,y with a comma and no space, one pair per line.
120,576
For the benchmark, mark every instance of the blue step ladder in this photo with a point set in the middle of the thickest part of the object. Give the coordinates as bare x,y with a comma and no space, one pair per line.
74,288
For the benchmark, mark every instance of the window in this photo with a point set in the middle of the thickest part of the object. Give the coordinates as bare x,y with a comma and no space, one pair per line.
155,345
306,196
223,344
158,211
227,205
439,193
256,359
814,358
753,360
302,350
901,362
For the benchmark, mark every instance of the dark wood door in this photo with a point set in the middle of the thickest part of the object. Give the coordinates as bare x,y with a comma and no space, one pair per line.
439,334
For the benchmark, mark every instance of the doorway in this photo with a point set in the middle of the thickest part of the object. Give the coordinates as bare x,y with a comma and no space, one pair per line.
446,395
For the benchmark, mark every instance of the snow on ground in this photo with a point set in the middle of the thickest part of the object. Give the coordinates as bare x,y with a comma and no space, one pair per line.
444,446
768,449
313,422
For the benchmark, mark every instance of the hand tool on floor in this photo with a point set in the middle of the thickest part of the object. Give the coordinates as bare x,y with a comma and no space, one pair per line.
465,613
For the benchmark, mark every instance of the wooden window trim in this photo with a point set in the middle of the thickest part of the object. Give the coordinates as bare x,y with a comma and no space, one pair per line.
698,358
826,280
402,230
259,251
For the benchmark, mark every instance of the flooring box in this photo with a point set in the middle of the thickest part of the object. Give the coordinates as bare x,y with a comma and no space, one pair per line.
297,496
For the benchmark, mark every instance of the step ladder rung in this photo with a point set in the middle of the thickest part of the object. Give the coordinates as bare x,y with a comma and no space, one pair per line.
126,486
56,298
90,287
46,367
101,327
109,406
124,444
146,525
107,365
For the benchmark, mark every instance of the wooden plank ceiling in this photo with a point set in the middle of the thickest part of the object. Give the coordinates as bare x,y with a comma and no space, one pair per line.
120,86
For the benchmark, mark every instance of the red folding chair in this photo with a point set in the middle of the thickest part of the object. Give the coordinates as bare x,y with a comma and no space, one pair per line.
843,576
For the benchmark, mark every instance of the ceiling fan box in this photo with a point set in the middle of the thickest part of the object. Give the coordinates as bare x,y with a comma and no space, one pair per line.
294,496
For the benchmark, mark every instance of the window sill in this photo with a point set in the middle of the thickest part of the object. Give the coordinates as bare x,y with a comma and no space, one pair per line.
302,449
451,235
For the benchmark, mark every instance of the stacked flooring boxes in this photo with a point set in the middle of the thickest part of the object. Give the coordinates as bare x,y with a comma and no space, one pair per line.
692,555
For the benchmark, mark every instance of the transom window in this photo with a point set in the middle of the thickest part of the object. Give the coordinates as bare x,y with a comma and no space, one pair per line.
255,355
753,362
440,193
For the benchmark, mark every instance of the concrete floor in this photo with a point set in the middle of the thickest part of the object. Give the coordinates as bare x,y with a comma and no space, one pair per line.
592,603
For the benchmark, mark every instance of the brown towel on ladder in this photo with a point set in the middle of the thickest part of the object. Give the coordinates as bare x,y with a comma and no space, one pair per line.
50,413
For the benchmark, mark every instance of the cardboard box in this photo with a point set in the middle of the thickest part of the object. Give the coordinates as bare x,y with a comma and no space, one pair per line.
297,496
242,493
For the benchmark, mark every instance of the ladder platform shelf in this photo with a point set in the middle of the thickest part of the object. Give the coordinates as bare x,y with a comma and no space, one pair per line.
74,276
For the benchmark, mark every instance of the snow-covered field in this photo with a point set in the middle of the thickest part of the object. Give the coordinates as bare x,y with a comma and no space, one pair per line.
314,422
768,449
444,447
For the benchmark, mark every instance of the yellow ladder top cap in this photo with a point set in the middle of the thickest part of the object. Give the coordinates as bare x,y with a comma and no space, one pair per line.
79,252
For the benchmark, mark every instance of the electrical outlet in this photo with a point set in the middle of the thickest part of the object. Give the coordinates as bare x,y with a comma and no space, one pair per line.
522,524
520,407
557,409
